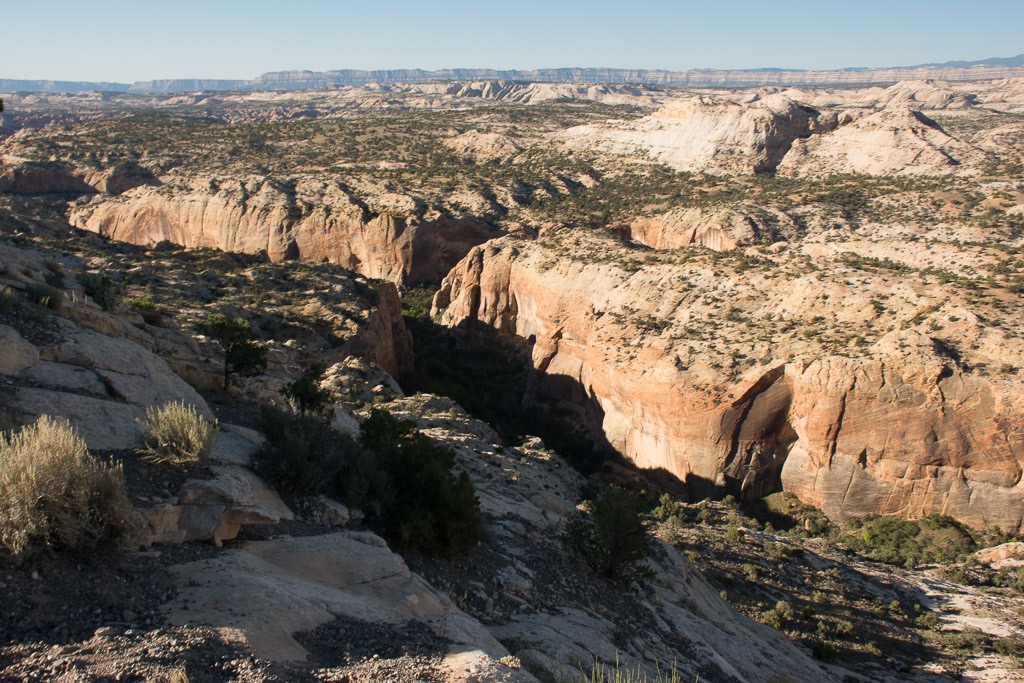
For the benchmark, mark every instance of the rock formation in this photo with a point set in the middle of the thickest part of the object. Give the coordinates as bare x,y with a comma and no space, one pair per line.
309,220
706,134
718,228
899,429
893,141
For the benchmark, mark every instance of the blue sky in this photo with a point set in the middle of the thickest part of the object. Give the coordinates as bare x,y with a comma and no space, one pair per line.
108,40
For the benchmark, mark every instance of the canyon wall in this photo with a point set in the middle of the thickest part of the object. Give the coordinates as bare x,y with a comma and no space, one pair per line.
898,430
308,220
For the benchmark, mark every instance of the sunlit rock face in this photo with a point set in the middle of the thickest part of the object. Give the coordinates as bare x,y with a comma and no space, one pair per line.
899,429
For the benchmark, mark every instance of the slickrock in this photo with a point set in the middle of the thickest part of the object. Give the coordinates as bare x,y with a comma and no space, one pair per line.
101,384
555,618
266,591
706,134
215,509
893,141
28,178
484,148
902,429
312,220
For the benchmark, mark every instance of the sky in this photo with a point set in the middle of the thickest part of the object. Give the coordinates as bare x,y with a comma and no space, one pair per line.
121,41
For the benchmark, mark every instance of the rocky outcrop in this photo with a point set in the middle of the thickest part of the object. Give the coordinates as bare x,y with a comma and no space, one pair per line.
923,94
215,509
900,430
526,492
893,141
101,384
717,228
706,134
386,340
311,220
27,178
482,148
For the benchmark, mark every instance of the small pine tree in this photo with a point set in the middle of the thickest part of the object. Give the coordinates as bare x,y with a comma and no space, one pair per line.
242,355
306,394
610,537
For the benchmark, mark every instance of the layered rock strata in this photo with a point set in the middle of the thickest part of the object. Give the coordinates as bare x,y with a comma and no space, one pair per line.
311,220
670,380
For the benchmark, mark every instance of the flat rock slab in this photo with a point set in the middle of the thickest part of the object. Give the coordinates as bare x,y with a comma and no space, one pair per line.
233,448
265,591
103,424
16,354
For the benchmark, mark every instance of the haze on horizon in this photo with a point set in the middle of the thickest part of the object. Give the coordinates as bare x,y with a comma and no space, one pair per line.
121,41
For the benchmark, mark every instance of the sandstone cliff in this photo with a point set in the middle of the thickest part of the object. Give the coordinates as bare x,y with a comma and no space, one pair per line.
311,220
658,357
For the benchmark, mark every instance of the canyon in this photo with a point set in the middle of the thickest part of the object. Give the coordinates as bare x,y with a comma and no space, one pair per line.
733,293
767,367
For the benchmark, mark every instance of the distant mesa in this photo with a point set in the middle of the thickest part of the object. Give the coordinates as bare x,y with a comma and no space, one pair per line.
996,67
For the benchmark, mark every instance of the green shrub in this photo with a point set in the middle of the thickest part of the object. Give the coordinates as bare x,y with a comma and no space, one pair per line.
101,288
424,507
610,535
928,621
400,478
306,394
54,495
145,302
824,651
177,435
147,308
909,543
305,456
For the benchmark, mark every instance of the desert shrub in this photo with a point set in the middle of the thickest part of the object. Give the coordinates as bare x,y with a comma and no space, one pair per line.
396,474
909,543
101,288
304,455
6,299
54,495
824,651
423,506
177,435
242,355
784,511
1011,646
609,534
928,621
146,302
305,393
45,295
778,616
146,307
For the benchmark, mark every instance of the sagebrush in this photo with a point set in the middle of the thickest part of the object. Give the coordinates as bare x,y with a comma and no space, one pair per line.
55,495
177,435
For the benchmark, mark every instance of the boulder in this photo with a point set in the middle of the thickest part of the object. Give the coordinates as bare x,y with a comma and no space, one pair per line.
16,354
